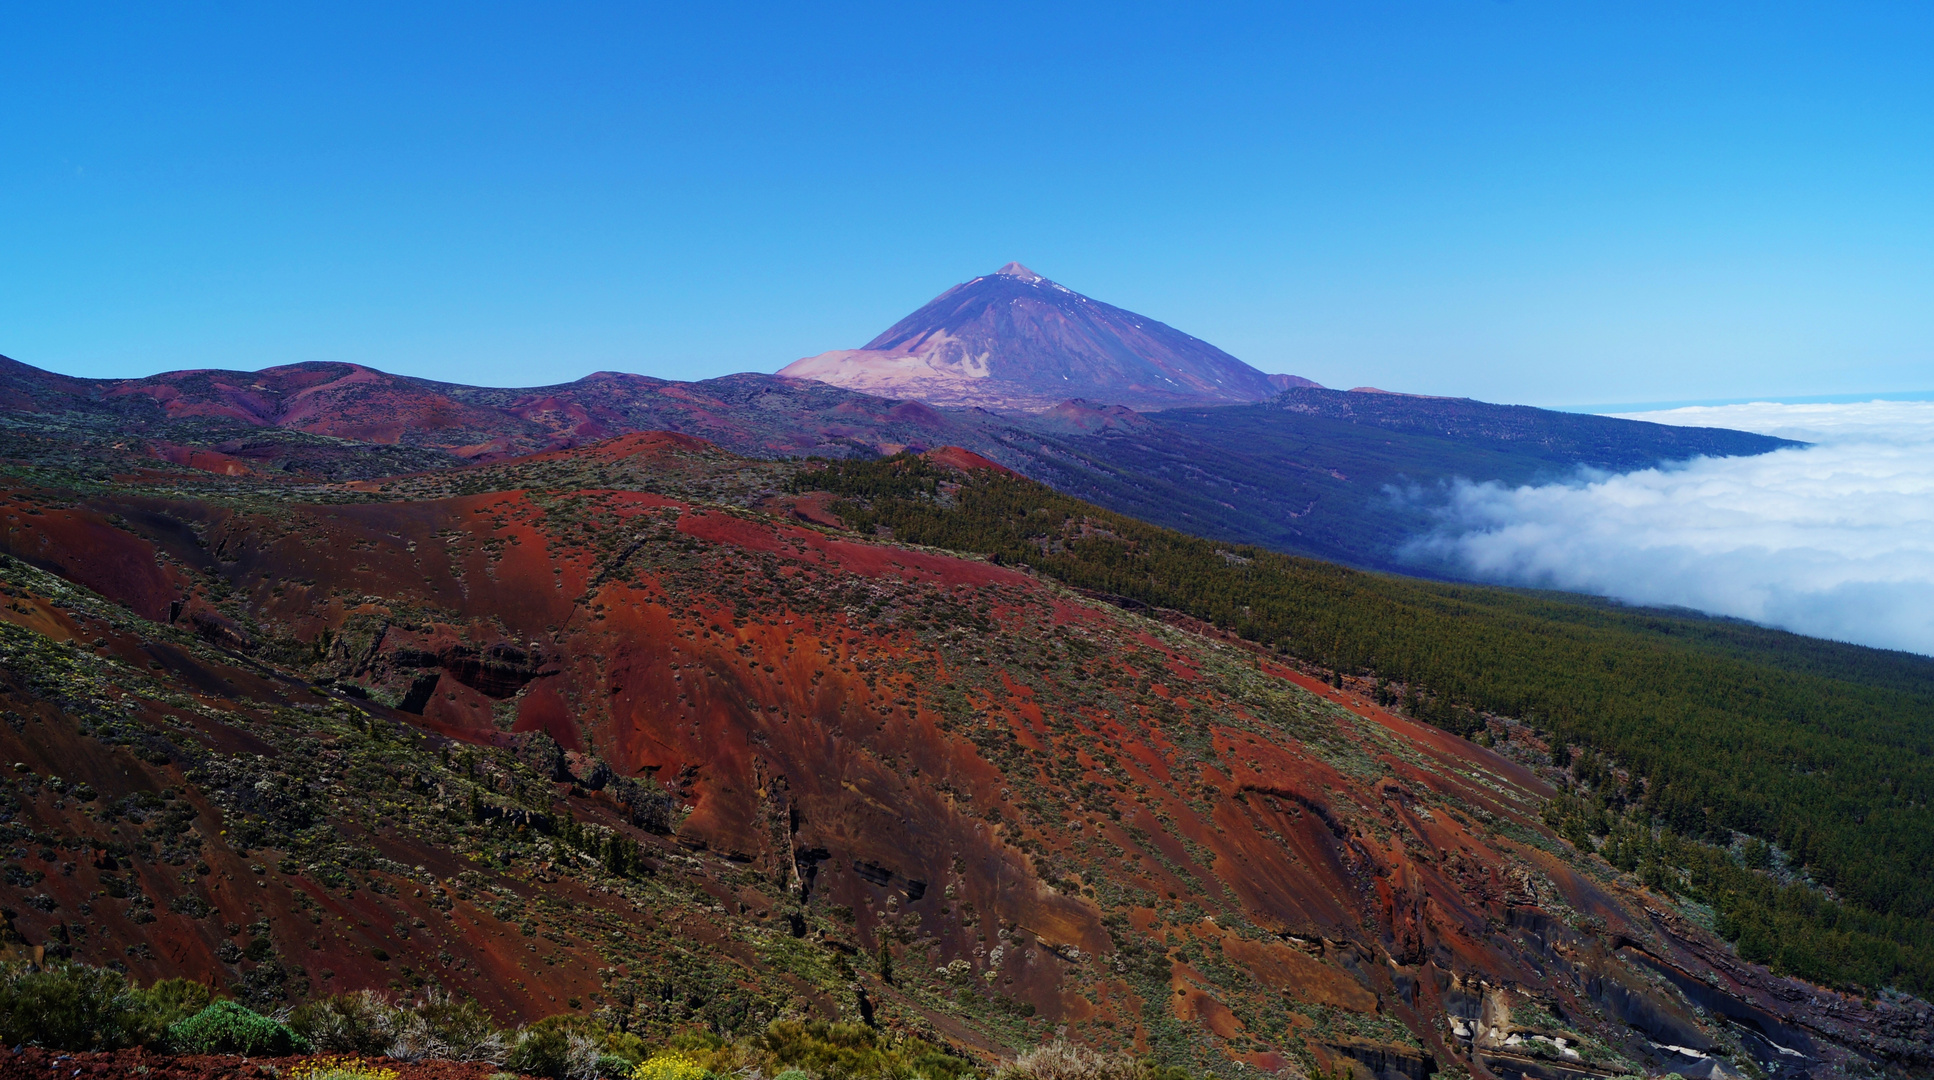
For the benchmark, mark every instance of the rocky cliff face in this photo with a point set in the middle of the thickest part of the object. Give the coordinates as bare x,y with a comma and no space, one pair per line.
1015,340
619,730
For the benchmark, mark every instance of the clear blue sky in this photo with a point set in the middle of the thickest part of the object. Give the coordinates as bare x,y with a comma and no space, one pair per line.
1549,202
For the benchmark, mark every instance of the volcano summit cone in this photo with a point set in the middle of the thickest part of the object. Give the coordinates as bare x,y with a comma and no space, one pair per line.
1014,340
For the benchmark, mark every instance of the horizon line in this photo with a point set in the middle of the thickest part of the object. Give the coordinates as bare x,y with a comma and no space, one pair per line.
1772,399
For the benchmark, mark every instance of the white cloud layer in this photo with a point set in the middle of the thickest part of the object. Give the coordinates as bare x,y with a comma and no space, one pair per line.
1833,540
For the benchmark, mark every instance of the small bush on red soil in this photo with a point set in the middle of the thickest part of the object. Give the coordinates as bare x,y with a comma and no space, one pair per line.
570,1047
69,1007
355,1023
436,1027
77,1007
444,1027
169,1002
616,1043
228,1028
550,1052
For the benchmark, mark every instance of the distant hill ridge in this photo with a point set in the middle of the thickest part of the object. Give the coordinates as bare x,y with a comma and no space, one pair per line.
1304,471
1015,340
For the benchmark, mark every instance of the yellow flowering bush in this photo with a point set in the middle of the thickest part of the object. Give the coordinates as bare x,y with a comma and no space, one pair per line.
340,1068
670,1065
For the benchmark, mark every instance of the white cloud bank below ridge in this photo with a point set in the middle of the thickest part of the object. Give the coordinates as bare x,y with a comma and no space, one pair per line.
1833,540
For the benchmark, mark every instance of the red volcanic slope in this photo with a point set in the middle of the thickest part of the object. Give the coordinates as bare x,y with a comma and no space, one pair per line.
651,445
1085,418
1137,831
964,460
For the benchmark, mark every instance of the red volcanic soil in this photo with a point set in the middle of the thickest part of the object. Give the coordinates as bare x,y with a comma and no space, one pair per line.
813,508
964,460
206,460
1088,418
346,941
85,547
649,444
1087,817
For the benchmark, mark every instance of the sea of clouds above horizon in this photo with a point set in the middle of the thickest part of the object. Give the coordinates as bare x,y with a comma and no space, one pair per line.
1832,540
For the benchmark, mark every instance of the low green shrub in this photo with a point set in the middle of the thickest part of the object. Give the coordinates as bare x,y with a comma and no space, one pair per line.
1063,1060
166,1004
435,1027
835,1051
935,1065
227,1028
74,1006
449,1029
542,1051
69,1007
360,1022
575,1046
698,1042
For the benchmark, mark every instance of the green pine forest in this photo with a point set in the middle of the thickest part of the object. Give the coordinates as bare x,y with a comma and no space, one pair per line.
1781,780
